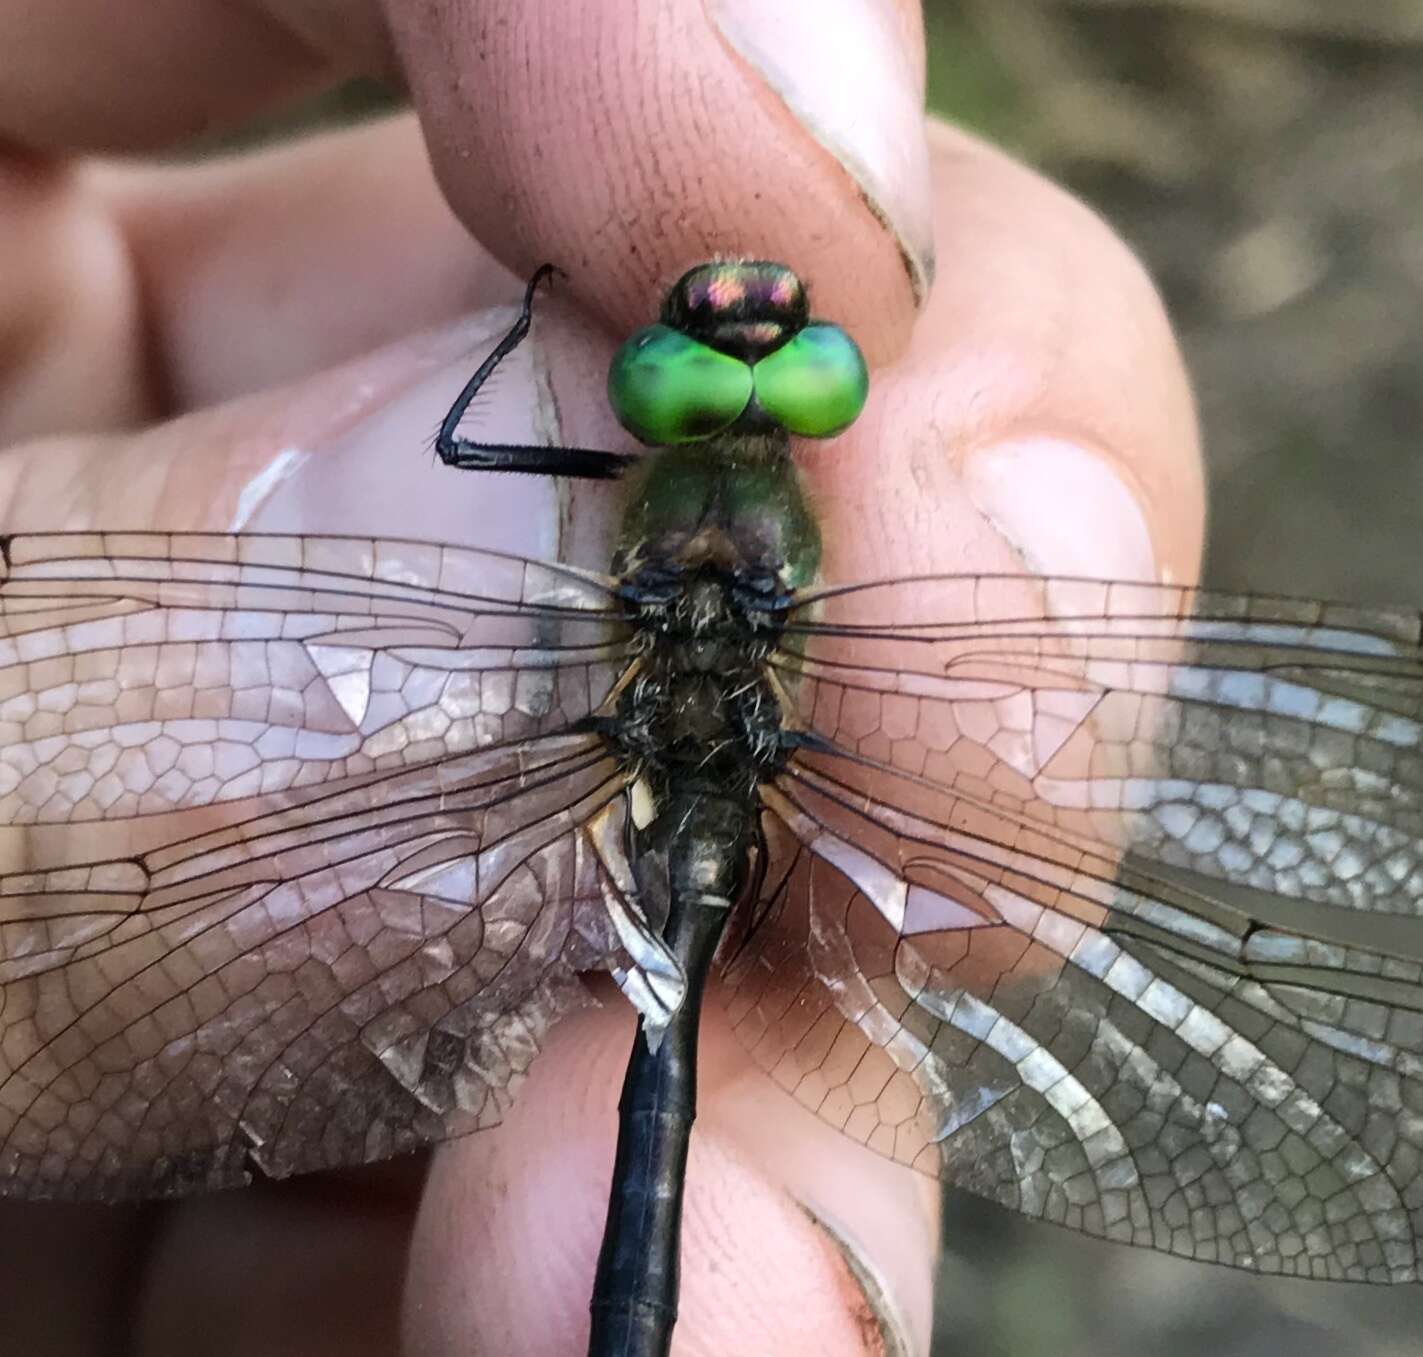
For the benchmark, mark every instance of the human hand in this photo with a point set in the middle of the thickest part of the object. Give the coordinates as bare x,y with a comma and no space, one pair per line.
269,344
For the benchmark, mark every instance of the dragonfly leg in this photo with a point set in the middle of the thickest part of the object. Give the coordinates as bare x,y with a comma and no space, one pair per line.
466,454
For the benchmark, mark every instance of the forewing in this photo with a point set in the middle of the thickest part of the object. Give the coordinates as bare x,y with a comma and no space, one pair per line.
294,870
141,673
1103,901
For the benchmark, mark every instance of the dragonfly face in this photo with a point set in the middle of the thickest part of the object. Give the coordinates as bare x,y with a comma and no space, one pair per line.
1099,899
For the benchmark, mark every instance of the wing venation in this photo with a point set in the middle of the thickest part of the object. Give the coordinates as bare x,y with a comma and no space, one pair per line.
293,866
1106,902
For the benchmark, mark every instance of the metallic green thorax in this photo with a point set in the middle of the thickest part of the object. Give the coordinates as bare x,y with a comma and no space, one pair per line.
733,501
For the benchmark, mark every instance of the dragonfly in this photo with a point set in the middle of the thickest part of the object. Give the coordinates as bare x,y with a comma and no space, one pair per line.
1097,898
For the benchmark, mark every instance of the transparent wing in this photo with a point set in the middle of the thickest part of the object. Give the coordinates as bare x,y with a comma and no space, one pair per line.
1103,901
293,870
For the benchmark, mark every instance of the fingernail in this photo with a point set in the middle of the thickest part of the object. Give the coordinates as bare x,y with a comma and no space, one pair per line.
256,491
1064,509
880,1318
850,81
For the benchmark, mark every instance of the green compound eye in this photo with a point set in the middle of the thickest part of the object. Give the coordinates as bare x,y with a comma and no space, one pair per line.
816,384
666,388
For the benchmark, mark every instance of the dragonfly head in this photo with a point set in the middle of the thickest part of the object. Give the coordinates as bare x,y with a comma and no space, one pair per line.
736,351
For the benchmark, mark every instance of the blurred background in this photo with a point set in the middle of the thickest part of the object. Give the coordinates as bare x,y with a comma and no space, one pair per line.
1265,158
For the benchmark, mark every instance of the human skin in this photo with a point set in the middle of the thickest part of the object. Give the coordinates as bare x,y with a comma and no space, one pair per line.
270,343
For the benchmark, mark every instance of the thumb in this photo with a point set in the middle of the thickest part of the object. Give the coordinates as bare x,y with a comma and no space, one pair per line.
794,1240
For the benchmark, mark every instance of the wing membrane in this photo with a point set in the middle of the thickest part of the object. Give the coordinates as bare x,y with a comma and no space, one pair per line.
1271,742
143,672
293,871
1103,901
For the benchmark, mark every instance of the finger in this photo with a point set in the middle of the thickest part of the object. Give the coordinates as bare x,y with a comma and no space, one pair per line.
747,121
86,77
261,269
625,143
504,1248
1042,417
140,292
347,451
70,353
221,278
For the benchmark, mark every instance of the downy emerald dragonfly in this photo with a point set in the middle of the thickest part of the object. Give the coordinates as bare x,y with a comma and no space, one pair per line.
1100,899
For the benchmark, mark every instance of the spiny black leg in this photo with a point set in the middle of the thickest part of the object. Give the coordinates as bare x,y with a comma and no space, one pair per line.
466,455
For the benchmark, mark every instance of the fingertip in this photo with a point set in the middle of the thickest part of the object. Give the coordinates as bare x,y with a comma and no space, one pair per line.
509,1227
872,1221
1042,416
628,144
1081,355
874,48
762,1273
